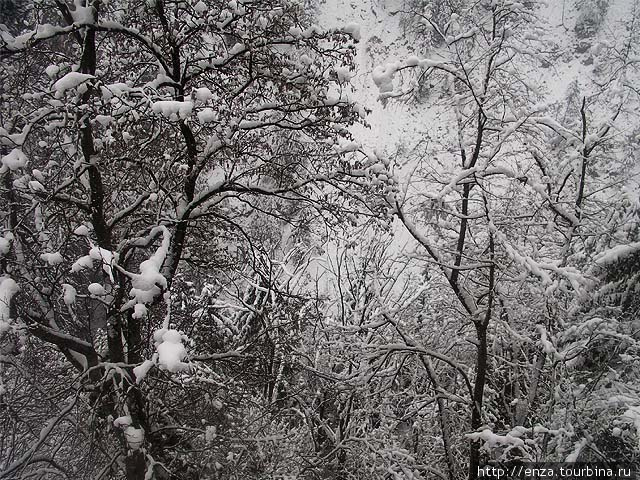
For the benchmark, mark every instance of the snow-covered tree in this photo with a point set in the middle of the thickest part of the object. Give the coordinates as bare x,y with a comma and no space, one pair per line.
515,190
144,142
204,275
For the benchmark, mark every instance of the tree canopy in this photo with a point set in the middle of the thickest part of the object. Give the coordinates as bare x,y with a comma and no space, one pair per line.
209,268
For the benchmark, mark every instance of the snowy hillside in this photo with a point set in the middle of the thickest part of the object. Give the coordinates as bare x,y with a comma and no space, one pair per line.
577,36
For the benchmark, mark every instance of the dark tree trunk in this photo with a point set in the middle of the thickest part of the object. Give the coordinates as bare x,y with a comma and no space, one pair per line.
478,394
135,465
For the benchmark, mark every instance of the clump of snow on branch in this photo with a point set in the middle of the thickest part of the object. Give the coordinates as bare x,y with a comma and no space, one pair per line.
69,294
36,186
123,421
81,231
106,257
5,244
171,351
492,440
82,263
96,289
210,433
133,436
578,446
173,110
632,415
150,282
383,77
139,310
14,160
70,81
547,345
53,258
617,253
141,371
207,115
203,94
8,288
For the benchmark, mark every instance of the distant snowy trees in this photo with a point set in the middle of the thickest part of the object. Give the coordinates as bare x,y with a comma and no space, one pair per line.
516,201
